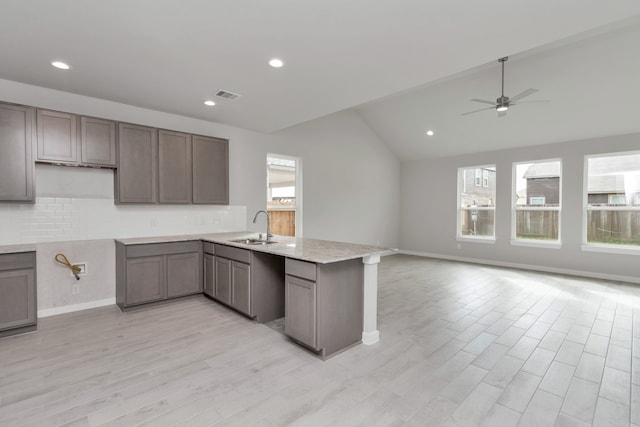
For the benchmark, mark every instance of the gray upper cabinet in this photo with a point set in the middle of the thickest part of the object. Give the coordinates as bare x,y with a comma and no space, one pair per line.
16,153
98,141
57,133
137,174
210,170
17,293
174,171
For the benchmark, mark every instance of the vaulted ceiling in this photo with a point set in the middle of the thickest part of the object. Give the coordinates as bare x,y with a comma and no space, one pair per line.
406,66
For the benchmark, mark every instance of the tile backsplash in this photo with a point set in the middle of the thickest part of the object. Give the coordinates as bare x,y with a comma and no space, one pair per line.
56,219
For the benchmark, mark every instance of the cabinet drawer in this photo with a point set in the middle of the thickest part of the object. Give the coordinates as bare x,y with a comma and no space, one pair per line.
17,261
304,269
237,254
208,247
154,249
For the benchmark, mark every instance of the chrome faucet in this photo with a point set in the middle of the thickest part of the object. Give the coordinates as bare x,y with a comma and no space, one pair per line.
269,235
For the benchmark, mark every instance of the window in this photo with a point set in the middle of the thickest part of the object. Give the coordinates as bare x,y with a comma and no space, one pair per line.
536,207
537,201
284,194
612,208
476,203
617,199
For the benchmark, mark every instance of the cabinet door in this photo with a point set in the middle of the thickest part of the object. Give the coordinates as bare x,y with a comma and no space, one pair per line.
210,170
137,164
16,153
174,169
17,298
209,274
145,280
300,310
56,136
98,141
241,287
223,280
183,274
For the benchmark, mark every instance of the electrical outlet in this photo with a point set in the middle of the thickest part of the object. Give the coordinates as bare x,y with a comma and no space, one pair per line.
75,289
83,268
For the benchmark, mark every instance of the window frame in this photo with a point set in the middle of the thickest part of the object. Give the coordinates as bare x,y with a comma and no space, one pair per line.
603,247
515,241
460,190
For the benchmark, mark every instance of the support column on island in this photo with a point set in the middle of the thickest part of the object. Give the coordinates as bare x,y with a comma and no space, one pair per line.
370,333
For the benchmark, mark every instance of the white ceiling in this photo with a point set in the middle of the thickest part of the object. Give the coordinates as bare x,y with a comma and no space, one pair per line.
171,55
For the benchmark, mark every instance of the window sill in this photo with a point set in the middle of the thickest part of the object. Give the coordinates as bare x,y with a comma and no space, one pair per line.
536,243
611,249
490,240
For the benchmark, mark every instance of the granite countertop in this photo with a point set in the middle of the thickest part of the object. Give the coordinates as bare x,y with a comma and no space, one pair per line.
8,249
314,250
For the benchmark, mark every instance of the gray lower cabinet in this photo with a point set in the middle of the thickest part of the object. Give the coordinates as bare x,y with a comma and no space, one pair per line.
241,287
209,274
324,304
156,272
174,167
184,274
223,280
250,282
145,280
17,293
137,174
300,303
17,133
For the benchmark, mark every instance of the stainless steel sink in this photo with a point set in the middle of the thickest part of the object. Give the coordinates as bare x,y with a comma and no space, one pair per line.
252,241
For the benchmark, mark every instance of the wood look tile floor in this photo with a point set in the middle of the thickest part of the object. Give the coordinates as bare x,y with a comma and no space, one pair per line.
462,345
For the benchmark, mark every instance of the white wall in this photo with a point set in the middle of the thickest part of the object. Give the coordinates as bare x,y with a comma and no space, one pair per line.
350,188
428,210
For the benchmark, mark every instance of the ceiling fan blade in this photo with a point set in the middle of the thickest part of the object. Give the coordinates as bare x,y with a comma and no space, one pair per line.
529,102
477,111
524,93
484,102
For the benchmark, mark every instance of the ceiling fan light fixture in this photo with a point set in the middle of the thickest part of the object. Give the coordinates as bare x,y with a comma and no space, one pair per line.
501,108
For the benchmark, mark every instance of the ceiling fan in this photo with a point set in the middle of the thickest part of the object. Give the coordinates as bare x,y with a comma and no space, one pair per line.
503,103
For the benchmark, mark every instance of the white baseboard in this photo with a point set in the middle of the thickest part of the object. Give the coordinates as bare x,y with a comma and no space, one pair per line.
589,274
75,307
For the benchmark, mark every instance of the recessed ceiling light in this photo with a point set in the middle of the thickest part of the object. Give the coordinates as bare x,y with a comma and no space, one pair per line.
429,132
209,102
276,63
61,65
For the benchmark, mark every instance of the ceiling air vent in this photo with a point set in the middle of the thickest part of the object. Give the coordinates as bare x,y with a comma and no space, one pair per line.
228,95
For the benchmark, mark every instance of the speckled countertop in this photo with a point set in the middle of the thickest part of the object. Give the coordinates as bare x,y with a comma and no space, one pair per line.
319,251
8,249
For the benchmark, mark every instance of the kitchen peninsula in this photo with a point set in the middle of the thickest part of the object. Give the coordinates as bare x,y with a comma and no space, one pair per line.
326,291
